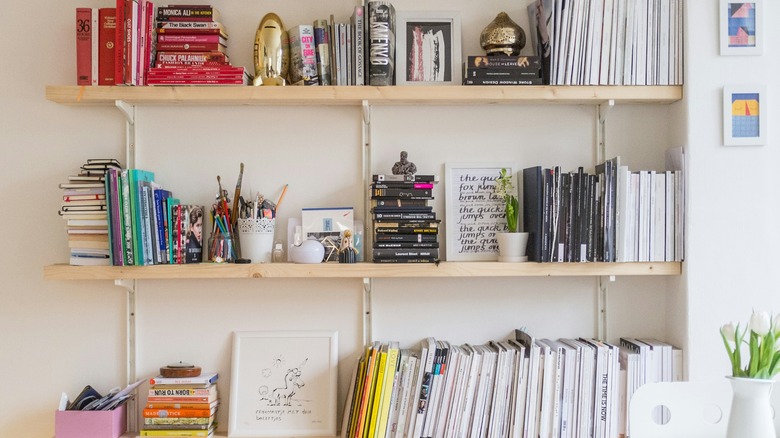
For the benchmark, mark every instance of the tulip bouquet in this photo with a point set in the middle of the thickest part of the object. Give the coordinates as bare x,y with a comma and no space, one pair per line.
763,346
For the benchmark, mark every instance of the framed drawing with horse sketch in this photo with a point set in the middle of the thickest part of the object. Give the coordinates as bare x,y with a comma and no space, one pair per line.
283,383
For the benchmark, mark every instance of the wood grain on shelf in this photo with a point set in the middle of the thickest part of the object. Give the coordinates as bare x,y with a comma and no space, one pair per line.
356,95
358,270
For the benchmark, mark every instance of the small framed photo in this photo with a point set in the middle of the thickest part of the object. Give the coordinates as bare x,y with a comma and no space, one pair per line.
428,48
741,30
744,115
474,212
283,384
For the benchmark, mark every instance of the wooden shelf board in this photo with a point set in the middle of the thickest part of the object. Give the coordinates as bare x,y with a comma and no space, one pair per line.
356,95
358,270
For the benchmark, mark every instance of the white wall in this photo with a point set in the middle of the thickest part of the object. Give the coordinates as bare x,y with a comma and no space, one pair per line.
59,336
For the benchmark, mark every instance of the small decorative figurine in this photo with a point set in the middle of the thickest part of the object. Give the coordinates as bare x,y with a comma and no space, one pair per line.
347,252
272,52
502,36
404,166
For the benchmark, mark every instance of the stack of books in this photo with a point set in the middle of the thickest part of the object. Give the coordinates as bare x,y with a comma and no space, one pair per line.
502,70
84,210
191,49
405,226
181,406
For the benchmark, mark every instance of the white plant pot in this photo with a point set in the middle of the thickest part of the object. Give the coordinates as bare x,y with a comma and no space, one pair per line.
511,247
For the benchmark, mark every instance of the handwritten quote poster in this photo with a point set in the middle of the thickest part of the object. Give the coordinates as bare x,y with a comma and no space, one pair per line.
474,212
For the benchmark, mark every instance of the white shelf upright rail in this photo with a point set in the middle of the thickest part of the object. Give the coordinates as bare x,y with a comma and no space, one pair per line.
129,286
368,224
602,111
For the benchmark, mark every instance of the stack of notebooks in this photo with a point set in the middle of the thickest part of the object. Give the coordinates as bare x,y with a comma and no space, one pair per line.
84,210
181,406
191,48
502,70
405,226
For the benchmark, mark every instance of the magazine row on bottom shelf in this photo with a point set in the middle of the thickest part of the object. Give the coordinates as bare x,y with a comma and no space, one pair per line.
523,387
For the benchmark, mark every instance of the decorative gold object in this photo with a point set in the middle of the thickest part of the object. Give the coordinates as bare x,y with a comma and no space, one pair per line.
502,36
272,52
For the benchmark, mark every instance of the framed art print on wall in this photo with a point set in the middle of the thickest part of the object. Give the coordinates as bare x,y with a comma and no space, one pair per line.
744,115
428,48
283,384
741,26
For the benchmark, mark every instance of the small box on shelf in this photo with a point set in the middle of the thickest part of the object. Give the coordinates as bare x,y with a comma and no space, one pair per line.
91,424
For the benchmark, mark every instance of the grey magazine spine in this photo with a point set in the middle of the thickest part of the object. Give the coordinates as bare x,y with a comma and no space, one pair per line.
381,57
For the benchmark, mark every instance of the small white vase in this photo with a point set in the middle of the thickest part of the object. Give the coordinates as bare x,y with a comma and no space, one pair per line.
751,410
511,247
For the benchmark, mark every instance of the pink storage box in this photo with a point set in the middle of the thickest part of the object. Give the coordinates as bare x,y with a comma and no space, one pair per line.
91,424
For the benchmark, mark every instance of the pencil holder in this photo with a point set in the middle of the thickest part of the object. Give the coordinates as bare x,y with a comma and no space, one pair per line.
257,238
222,248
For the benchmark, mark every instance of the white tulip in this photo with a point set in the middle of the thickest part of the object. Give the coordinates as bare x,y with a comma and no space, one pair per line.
729,332
777,344
759,323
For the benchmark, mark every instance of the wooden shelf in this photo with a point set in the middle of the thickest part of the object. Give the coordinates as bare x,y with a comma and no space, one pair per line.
356,95
357,270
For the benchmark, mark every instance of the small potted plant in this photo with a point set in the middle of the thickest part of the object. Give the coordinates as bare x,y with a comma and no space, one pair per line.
751,411
511,243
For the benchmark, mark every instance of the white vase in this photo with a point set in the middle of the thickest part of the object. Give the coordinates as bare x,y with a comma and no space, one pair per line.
511,247
751,411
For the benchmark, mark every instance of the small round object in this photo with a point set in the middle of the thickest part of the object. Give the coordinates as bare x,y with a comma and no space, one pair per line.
180,369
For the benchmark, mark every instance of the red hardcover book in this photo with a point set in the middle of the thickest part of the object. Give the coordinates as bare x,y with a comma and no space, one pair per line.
86,44
147,40
190,58
190,47
187,13
190,38
129,6
106,46
154,81
119,43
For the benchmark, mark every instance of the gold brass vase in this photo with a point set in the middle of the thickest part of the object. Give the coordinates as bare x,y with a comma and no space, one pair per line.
502,36
272,52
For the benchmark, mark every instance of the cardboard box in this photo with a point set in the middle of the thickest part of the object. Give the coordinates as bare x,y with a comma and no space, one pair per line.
91,424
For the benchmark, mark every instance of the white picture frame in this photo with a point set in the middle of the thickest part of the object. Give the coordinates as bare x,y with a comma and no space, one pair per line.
433,29
741,27
283,384
744,115
474,213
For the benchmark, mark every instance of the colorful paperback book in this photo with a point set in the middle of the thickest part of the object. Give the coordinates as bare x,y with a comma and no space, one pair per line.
203,378
303,58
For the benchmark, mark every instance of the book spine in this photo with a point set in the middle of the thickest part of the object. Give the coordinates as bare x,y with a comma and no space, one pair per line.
190,38
119,48
127,44
406,260
135,40
404,253
127,216
190,47
360,45
381,40
189,26
401,185
378,245
84,37
401,193
155,81
106,46
405,230
405,216
408,178
412,237
187,13
322,45
177,413
149,39
529,63
188,58
505,74
482,81
303,58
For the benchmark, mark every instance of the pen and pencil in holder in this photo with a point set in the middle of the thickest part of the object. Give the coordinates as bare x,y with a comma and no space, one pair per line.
221,245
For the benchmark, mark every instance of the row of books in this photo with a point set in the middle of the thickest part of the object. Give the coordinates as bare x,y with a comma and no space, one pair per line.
406,229
185,406
614,215
147,225
611,42
83,208
522,387
135,43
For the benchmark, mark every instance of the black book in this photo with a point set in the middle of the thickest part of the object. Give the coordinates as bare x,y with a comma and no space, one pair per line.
402,178
401,185
547,205
406,260
389,253
500,81
533,207
381,38
403,215
378,229
499,73
406,238
406,244
426,209
525,63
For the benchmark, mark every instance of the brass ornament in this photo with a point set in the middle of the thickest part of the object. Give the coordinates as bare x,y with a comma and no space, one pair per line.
272,52
502,36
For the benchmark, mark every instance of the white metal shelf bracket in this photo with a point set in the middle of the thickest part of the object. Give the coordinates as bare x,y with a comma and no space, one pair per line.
366,152
602,111
131,351
367,312
128,111
601,310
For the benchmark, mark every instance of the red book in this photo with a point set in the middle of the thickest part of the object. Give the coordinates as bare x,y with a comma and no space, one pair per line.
190,58
86,44
190,47
106,46
190,38
119,44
